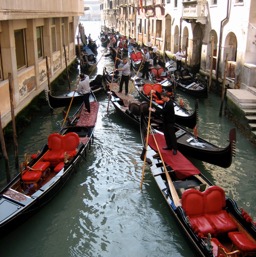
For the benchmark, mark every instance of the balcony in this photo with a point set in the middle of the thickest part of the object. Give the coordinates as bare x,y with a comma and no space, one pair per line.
195,11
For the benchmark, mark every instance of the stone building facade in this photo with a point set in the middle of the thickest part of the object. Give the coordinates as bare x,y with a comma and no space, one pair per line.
218,37
30,31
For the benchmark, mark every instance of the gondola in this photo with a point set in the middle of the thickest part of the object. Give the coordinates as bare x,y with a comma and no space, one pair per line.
104,39
43,174
65,99
189,84
211,221
190,145
88,61
183,116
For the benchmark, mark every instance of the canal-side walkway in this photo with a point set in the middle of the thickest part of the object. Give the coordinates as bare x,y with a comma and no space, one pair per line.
241,108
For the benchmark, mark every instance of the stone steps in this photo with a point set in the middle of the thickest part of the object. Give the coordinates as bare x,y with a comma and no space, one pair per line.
245,99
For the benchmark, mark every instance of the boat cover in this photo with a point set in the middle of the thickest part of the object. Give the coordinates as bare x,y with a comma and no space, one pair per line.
88,119
179,163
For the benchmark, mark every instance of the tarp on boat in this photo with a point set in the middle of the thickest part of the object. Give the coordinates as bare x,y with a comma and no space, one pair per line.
182,167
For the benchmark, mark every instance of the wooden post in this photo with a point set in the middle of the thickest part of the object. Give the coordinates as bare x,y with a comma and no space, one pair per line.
211,63
66,63
79,50
13,121
223,86
48,73
7,166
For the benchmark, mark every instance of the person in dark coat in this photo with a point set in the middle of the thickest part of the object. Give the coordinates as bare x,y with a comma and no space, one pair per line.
168,122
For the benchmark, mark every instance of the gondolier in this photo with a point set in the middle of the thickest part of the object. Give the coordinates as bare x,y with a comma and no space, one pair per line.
84,89
168,122
126,71
179,55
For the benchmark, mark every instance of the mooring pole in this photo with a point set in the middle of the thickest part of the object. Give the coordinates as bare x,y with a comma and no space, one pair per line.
15,141
7,166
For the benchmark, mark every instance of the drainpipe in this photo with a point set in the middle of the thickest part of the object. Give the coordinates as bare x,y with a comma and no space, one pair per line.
222,23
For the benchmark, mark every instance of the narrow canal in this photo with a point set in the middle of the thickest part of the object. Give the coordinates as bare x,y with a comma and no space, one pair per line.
101,211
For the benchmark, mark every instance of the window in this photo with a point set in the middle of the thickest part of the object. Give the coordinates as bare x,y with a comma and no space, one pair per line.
239,1
54,41
175,3
214,2
39,40
139,26
20,48
145,27
71,32
158,28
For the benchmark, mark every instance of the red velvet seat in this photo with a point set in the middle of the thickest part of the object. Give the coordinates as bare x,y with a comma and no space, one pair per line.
206,211
243,243
34,174
147,88
193,204
139,55
31,176
215,202
59,167
61,146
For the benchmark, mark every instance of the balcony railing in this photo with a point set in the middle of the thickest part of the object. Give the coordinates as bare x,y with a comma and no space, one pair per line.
195,11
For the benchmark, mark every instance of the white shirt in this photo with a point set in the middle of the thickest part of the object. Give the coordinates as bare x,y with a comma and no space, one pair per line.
179,55
125,69
84,86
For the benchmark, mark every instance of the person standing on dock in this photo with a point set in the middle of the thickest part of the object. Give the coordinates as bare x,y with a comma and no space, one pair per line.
84,89
126,71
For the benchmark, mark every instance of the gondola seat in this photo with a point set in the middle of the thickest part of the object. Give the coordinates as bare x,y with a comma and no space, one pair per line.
214,208
35,173
61,147
245,245
206,211
193,205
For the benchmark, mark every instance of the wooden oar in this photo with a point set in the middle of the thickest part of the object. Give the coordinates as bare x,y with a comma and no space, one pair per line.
146,144
64,121
109,95
173,191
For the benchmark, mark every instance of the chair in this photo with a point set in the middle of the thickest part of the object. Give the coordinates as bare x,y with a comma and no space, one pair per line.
243,243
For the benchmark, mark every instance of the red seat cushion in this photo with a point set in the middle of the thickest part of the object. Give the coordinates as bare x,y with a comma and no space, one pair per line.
42,166
31,176
200,224
70,142
59,167
54,156
147,88
221,221
242,242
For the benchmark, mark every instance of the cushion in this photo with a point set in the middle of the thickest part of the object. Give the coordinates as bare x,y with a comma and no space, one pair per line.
214,199
193,202
200,224
59,167
54,141
31,176
242,242
221,221
70,141
42,166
